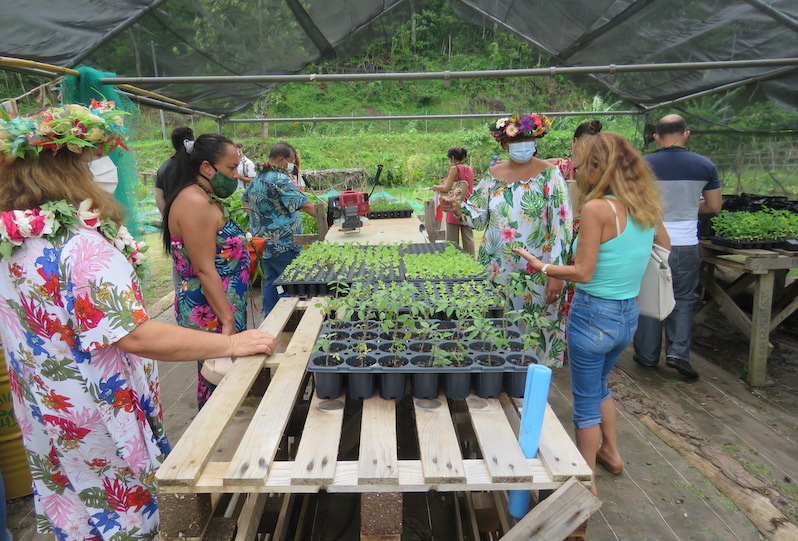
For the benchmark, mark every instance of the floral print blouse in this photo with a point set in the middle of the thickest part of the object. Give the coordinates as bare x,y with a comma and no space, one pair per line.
90,414
533,214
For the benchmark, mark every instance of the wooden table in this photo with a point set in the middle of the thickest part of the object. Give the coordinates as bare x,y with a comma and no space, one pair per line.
210,461
773,302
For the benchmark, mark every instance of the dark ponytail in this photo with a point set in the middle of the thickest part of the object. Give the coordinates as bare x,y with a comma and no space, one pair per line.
458,153
207,147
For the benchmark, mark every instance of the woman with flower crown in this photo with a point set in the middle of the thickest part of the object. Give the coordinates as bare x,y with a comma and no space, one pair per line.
77,338
523,203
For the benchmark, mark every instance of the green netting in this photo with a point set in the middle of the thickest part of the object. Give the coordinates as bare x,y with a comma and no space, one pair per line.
82,90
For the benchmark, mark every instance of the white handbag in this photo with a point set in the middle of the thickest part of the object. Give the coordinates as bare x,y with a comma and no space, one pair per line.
656,288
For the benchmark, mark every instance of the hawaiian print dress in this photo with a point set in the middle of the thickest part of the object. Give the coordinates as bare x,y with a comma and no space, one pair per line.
90,414
192,309
533,214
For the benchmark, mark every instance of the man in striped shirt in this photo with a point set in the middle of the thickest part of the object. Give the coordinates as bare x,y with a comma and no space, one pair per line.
690,186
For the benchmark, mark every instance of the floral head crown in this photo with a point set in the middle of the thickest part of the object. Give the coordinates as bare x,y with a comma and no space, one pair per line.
520,126
72,126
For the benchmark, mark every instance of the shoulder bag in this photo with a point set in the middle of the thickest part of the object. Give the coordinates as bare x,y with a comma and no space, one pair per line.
656,288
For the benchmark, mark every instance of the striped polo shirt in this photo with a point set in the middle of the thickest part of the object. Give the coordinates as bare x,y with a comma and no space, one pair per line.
683,175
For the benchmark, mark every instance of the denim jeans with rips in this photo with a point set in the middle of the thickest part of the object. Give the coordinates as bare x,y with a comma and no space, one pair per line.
685,264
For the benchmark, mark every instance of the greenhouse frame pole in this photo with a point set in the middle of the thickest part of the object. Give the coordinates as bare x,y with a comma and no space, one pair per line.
463,116
448,75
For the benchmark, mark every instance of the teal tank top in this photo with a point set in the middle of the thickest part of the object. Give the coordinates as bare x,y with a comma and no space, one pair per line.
621,263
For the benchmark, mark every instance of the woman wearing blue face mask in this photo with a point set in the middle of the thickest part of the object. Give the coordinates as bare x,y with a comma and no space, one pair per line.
523,203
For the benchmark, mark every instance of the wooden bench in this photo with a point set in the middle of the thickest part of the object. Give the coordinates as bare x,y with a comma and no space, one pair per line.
224,452
773,301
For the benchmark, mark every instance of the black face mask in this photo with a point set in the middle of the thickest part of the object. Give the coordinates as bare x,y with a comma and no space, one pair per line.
222,185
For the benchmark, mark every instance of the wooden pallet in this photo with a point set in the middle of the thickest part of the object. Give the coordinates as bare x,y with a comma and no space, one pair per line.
213,458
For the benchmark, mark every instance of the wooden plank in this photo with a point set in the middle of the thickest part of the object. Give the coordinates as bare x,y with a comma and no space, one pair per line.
760,331
556,450
189,456
249,519
318,449
283,520
254,455
557,516
754,252
161,305
729,308
440,451
500,449
411,479
784,314
377,460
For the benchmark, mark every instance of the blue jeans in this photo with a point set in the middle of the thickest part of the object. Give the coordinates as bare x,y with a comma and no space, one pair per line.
272,269
685,265
598,332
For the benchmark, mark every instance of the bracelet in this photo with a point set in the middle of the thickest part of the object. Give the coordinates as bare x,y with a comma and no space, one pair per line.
543,269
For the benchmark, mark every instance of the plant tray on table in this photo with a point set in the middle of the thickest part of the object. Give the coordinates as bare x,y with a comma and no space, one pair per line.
765,229
363,355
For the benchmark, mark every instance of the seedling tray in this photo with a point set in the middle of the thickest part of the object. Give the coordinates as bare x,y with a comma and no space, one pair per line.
319,280
748,245
383,214
349,353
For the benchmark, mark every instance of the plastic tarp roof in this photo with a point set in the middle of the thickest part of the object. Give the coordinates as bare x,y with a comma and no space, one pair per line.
258,37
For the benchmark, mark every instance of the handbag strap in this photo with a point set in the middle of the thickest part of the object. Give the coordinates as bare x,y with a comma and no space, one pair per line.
617,223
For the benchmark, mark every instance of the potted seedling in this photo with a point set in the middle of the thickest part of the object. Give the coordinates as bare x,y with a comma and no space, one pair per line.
327,355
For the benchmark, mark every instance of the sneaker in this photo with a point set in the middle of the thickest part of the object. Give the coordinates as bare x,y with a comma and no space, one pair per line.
645,365
682,366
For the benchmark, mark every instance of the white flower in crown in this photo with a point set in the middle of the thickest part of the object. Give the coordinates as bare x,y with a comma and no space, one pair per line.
88,217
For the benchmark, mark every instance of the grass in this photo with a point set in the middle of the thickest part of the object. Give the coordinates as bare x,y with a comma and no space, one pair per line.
159,279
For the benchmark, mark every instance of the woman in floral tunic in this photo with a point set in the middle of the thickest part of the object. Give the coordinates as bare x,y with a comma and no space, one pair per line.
523,203
77,338
207,246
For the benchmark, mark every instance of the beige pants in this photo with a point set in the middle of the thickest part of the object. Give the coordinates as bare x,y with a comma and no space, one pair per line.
453,233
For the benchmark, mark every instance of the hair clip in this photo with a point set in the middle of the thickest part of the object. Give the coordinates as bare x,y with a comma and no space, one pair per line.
188,144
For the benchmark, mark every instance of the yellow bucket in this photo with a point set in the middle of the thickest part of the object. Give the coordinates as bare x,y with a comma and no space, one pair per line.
13,461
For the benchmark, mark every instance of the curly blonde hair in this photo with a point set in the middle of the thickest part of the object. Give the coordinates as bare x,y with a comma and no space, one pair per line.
28,183
607,164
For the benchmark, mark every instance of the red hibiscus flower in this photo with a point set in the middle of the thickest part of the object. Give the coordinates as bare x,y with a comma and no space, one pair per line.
57,402
139,498
139,316
529,269
546,190
59,479
125,400
71,431
563,212
86,313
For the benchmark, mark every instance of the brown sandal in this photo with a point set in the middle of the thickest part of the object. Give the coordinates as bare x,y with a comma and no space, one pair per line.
614,470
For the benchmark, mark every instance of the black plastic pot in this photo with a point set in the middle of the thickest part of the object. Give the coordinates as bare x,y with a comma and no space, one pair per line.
361,384
425,381
515,383
488,384
457,384
392,384
328,384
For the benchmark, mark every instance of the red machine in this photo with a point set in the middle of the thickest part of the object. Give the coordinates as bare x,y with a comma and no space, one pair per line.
350,205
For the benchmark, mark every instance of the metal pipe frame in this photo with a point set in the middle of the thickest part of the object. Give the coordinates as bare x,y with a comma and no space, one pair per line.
465,116
448,75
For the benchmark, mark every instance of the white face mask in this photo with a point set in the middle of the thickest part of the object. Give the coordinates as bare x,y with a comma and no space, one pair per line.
105,173
522,152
